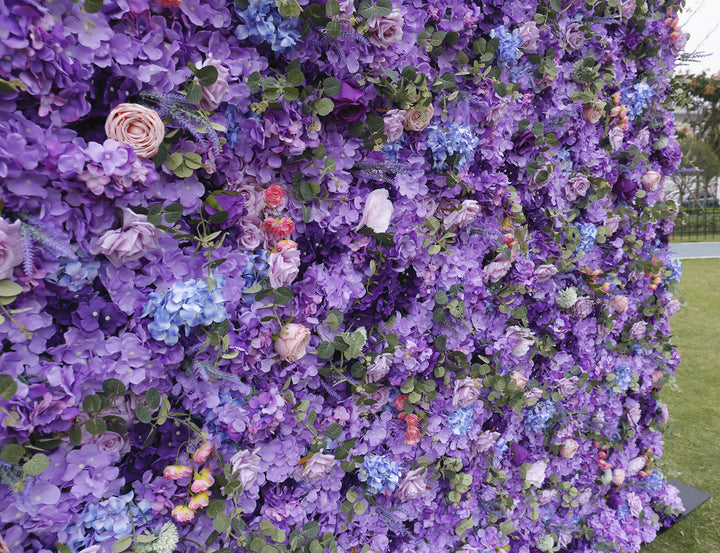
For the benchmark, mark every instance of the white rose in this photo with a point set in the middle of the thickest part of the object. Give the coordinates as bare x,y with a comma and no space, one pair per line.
378,211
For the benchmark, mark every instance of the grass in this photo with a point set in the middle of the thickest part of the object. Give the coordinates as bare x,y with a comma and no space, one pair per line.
692,440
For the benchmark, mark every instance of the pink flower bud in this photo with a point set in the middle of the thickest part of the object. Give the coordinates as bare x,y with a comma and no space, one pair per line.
618,476
519,380
202,481
651,180
569,448
621,304
175,472
412,435
274,195
291,344
182,513
200,500
203,452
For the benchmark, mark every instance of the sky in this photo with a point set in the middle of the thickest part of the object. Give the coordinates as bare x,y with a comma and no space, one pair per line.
701,18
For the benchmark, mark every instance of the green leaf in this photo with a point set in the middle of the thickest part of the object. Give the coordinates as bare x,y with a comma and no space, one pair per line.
93,6
253,81
114,387
76,436
267,527
332,8
311,529
333,431
96,426
152,399
295,77
441,297
8,386
122,544
193,93
282,295
12,453
289,8
334,319
324,106
315,547
331,86
92,404
333,29
36,465
207,75
215,507
62,548
9,289
326,350
257,544
221,522
142,413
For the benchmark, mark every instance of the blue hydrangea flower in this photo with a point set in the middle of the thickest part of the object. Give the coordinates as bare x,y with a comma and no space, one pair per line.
379,473
75,274
111,518
675,267
638,99
255,271
537,416
452,144
588,234
189,304
232,127
624,377
508,53
462,420
261,22
654,481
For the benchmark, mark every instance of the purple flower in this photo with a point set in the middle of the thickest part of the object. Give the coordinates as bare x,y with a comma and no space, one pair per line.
114,157
350,103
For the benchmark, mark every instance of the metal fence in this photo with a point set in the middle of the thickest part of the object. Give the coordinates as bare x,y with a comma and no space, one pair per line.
698,224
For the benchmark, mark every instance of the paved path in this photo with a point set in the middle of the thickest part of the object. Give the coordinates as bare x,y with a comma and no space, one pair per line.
694,250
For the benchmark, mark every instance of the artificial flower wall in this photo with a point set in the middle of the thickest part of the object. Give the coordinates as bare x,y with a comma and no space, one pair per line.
283,276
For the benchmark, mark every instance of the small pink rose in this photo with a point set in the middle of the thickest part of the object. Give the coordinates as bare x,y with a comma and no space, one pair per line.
378,211
651,180
176,472
385,30
593,112
519,380
460,218
418,119
202,453
618,476
279,228
284,267
11,252
412,435
569,448
183,513
413,485
535,475
393,122
274,195
199,500
621,304
137,126
316,467
292,342
202,481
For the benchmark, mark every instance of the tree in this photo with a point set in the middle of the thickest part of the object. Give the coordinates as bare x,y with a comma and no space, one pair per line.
701,157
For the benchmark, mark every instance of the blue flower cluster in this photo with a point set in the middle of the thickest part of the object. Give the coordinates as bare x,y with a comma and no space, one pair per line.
109,520
675,267
75,274
190,303
654,481
508,53
453,144
537,417
588,234
254,272
638,99
379,472
261,22
462,420
624,377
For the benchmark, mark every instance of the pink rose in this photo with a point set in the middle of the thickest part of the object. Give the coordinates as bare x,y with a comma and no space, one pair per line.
247,465
183,513
417,120
412,435
378,211
520,340
569,448
593,112
460,218
201,454
110,442
535,475
465,391
284,267
393,121
379,369
11,252
618,476
384,30
544,272
529,33
651,180
574,36
636,465
519,379
133,241
497,269
213,94
202,481
274,195
315,468
621,304
413,485
137,126
292,342
576,187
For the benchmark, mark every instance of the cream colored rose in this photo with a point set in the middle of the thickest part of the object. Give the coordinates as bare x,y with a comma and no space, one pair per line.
137,126
417,120
292,342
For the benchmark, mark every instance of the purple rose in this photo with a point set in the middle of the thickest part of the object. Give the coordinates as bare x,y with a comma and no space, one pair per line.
616,137
11,252
133,241
545,272
213,94
413,485
497,269
350,104
284,267
625,189
379,369
460,218
393,121
574,36
637,332
519,454
584,306
529,33
251,237
247,465
576,187
315,467
384,30
465,392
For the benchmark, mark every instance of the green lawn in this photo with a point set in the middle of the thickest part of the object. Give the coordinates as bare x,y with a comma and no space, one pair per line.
692,437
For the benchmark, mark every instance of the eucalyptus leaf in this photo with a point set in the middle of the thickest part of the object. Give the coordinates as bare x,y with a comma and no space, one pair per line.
8,386
36,465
